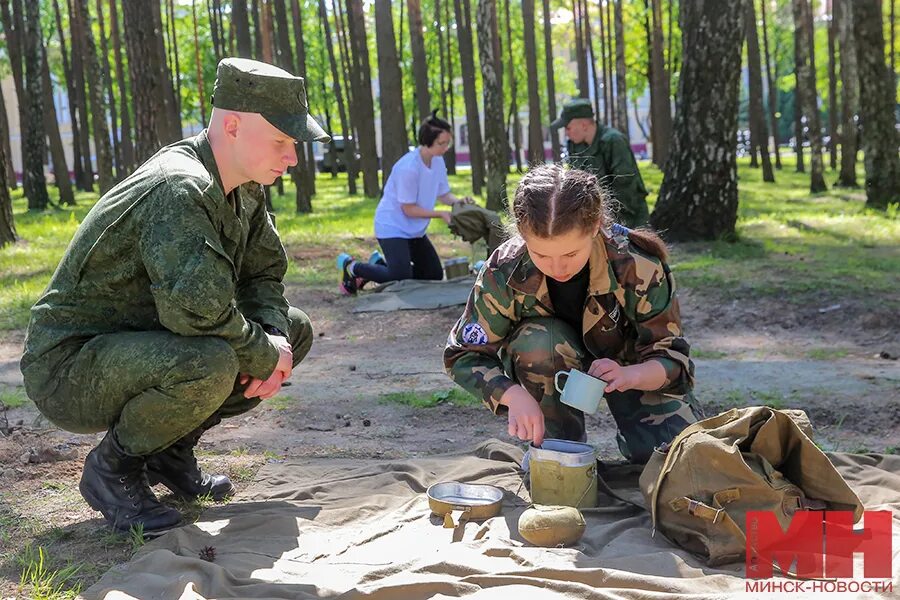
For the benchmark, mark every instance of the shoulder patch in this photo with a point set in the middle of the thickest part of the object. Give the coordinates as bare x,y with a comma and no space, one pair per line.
473,333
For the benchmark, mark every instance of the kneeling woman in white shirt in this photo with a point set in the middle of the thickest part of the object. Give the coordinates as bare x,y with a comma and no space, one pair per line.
416,183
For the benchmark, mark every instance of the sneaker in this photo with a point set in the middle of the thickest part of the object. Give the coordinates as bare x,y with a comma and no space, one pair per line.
376,258
349,284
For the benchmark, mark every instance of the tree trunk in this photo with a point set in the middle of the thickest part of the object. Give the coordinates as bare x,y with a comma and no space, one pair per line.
198,64
621,122
173,48
240,24
771,78
172,124
342,110
6,163
350,89
495,139
420,62
535,129
648,34
580,50
110,97
215,31
807,68
35,147
390,85
268,32
596,77
300,43
13,32
698,197
304,176
832,89
127,145
876,107
442,24
362,97
798,97
257,29
99,126
81,104
70,96
513,121
7,224
146,65
661,115
473,117
849,92
609,95
51,127
551,84
759,137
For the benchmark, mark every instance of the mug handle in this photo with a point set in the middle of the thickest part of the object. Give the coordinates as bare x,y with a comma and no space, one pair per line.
556,380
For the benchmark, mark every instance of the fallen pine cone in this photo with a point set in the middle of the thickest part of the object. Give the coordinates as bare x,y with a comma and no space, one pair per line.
208,553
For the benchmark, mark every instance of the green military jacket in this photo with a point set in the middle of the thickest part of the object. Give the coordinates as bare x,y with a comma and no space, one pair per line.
631,315
166,249
610,158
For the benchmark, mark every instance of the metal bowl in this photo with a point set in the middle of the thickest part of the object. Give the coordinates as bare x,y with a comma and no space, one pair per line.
474,501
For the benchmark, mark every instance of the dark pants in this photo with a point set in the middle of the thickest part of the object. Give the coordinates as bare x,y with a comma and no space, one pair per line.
407,258
153,387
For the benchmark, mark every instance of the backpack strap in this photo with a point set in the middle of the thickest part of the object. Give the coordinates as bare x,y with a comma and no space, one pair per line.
674,447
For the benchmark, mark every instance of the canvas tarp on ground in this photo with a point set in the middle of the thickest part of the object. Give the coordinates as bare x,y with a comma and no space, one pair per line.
415,294
345,528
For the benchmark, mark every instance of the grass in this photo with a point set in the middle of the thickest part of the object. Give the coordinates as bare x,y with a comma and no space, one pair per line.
13,398
790,245
42,583
826,353
454,396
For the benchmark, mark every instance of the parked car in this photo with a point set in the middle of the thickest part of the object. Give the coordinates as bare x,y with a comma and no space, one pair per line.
333,156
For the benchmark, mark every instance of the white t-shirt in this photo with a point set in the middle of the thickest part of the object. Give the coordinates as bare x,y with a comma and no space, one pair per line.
410,182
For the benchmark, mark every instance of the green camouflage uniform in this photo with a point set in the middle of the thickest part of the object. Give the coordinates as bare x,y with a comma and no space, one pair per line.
508,334
610,158
159,303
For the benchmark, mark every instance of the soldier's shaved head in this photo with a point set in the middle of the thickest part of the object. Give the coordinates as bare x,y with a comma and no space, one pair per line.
247,147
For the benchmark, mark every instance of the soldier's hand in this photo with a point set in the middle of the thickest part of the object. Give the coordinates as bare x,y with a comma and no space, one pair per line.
258,388
526,420
285,354
617,377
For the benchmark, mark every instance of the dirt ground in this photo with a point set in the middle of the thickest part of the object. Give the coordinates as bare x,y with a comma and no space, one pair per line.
837,363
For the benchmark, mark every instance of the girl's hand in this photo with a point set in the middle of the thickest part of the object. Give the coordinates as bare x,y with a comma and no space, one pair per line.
526,420
446,216
617,377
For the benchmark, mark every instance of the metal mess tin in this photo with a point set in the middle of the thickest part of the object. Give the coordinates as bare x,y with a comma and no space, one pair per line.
460,502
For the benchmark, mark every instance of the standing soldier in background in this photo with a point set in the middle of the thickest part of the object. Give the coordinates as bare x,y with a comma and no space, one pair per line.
605,152
167,311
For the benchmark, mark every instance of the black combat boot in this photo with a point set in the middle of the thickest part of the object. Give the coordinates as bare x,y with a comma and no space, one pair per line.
115,483
176,468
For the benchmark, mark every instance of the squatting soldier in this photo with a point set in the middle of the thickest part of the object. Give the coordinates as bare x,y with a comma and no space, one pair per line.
167,311
574,291
605,152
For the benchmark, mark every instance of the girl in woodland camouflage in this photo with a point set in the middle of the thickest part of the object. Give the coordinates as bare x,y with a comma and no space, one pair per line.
573,290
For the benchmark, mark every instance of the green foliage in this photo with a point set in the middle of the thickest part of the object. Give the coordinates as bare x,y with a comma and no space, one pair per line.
454,396
13,398
42,583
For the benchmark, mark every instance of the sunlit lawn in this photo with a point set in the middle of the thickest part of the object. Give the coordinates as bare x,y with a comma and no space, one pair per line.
797,247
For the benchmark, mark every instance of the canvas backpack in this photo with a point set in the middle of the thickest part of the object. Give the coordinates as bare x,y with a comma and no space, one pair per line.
700,487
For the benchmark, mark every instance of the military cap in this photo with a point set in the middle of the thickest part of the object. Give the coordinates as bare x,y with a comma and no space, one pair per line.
579,108
252,86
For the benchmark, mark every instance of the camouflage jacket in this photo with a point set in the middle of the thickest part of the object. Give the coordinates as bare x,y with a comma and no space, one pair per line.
610,158
630,315
166,249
